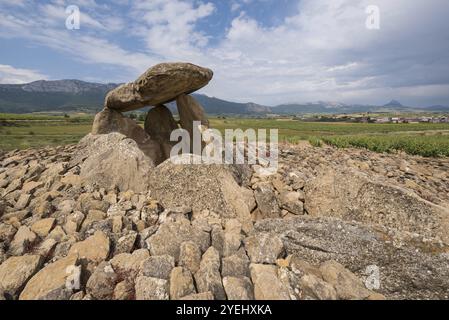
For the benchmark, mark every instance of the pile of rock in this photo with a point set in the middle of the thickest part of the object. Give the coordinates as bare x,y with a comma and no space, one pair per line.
100,220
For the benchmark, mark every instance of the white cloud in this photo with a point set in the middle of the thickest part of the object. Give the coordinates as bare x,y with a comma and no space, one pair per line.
322,51
11,75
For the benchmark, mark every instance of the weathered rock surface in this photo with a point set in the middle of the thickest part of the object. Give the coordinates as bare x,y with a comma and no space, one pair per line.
159,125
94,249
110,121
181,283
160,84
362,199
113,159
267,286
190,111
407,266
148,288
50,283
16,271
200,187
199,217
168,239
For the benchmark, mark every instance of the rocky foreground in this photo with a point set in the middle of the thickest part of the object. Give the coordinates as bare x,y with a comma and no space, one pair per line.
313,230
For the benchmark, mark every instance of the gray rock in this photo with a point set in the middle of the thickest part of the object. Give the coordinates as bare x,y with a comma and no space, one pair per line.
109,121
201,187
235,266
23,240
238,288
50,283
190,110
367,200
124,290
158,267
181,283
159,125
314,287
102,282
264,247
126,243
170,236
16,271
408,267
208,276
190,256
159,84
204,296
151,289
291,202
347,285
267,285
114,159
266,201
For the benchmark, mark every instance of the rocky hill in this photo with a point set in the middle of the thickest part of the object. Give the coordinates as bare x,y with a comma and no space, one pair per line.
312,230
76,95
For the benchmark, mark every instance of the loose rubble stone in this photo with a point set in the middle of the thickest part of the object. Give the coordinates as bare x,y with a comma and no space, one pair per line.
128,265
148,288
158,267
94,249
125,243
23,240
264,248
170,236
181,283
43,227
208,276
266,283
291,201
190,256
266,201
235,266
315,287
16,271
50,283
124,290
347,285
101,283
238,288
204,296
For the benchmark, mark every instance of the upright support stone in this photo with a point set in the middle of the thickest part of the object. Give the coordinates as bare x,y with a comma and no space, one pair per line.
109,121
189,111
159,124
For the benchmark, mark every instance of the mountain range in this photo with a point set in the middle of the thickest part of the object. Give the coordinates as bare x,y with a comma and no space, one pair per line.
76,95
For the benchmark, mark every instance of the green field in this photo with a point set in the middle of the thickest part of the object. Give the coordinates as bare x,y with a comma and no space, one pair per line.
36,130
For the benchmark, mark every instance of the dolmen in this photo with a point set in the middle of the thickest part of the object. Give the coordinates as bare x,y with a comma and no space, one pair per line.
158,86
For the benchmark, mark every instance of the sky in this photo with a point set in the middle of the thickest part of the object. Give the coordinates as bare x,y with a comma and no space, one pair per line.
263,51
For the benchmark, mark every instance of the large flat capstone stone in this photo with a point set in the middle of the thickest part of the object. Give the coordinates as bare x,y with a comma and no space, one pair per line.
158,85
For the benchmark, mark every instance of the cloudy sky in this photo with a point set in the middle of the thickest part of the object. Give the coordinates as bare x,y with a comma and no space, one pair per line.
265,51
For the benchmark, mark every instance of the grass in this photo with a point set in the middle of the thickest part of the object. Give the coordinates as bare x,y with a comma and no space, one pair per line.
423,145
432,140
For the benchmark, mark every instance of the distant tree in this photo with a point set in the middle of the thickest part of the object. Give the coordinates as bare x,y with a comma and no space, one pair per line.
133,116
142,117
66,116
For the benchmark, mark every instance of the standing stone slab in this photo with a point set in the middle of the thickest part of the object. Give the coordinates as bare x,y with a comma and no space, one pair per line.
189,111
159,125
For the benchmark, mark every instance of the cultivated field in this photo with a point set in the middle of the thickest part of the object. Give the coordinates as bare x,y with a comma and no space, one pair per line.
35,130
